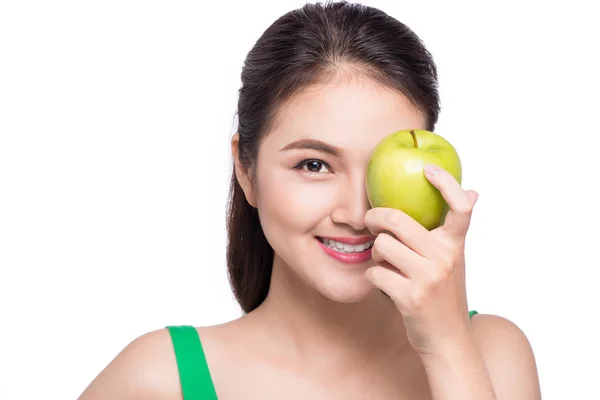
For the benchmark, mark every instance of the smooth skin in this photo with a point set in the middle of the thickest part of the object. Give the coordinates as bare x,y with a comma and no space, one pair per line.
327,330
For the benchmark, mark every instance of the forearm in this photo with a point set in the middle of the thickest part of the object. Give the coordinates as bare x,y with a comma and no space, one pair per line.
457,371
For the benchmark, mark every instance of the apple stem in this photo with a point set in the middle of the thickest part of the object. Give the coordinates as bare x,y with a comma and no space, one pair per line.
412,132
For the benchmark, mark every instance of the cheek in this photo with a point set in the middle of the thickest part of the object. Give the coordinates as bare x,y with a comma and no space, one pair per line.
292,205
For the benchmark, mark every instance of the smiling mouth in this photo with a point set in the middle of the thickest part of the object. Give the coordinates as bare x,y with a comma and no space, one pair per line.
344,247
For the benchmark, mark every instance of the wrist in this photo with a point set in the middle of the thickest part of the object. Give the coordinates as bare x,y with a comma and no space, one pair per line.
449,350
457,368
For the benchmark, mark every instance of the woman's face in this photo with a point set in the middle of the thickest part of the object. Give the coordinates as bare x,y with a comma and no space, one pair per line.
310,181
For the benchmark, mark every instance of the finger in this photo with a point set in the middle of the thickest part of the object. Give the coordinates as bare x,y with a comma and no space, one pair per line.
388,249
396,286
458,221
460,202
403,227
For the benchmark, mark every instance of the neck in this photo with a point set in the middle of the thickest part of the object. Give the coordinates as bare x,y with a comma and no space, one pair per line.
317,327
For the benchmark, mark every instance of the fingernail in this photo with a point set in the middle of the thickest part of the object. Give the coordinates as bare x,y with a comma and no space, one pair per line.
432,169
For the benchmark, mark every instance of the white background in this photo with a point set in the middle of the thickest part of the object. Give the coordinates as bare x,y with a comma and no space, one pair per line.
115,120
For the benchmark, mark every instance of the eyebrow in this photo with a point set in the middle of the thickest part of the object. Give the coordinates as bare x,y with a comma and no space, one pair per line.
313,144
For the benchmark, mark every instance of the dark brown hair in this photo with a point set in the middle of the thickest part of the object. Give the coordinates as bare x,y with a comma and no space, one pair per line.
301,48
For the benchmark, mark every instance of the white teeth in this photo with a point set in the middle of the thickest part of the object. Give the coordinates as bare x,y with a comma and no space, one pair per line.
346,248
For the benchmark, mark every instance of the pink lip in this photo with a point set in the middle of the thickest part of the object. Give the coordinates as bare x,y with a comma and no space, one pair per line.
351,240
347,258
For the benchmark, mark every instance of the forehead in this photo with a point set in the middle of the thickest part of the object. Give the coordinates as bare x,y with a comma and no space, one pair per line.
352,115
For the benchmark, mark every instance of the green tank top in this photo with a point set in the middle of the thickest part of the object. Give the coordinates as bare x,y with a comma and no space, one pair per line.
194,374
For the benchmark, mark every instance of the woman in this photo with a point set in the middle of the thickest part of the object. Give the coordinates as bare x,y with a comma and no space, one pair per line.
340,300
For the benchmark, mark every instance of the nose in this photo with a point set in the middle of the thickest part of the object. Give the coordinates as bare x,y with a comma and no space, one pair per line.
352,203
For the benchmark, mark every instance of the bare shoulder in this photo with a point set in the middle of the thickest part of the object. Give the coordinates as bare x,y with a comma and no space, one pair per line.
145,369
508,356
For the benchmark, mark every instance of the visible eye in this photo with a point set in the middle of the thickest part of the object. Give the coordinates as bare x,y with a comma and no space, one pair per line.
313,166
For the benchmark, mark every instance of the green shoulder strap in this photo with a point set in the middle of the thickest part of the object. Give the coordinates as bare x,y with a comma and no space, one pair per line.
194,375
471,313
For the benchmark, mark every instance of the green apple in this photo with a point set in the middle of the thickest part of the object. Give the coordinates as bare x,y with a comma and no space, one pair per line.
395,176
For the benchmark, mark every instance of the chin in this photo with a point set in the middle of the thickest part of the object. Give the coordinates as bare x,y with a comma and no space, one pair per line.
347,290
